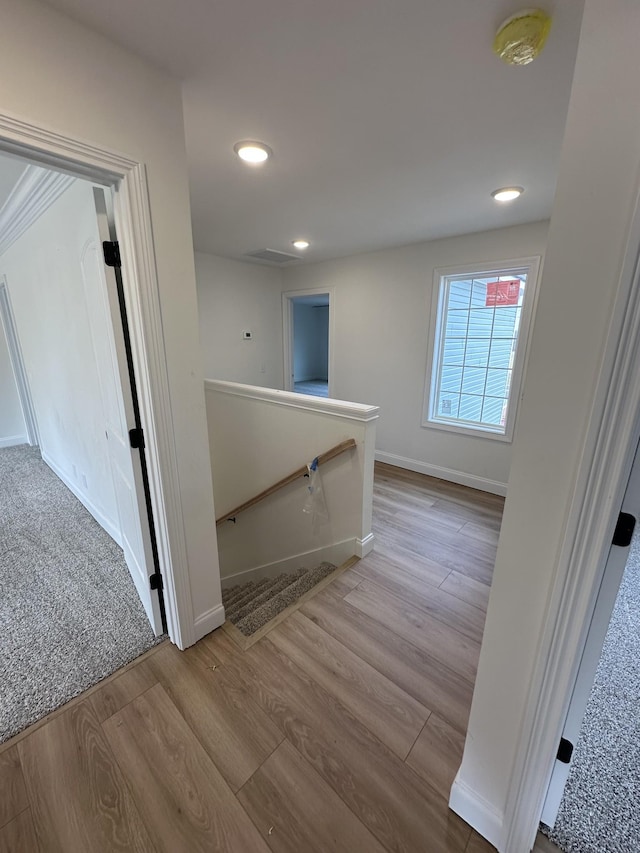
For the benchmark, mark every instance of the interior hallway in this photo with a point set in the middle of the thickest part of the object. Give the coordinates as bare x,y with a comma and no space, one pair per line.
342,729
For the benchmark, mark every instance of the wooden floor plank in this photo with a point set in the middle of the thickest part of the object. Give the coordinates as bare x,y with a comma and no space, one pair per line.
13,794
477,844
467,589
309,728
295,810
345,583
235,732
402,811
438,602
414,482
394,716
542,845
221,646
437,754
483,532
395,494
465,512
428,680
79,799
438,640
454,555
184,800
420,568
411,521
19,835
437,501
122,690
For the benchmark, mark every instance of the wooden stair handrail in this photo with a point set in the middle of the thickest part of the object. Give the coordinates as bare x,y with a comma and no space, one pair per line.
300,472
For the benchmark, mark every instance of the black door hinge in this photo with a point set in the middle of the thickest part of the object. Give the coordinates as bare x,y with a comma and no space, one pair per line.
111,251
623,533
565,751
155,581
136,438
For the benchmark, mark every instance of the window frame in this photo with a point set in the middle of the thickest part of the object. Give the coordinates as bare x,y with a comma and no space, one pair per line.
441,275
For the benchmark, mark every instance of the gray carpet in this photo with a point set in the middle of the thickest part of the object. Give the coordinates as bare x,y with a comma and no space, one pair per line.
316,387
600,809
251,605
69,612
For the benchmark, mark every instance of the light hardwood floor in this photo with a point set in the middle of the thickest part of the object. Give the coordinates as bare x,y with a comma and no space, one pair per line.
341,729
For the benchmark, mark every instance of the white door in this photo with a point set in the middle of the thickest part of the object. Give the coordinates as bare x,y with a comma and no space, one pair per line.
606,600
117,397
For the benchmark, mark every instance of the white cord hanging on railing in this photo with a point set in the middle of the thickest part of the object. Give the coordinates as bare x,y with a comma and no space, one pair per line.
315,504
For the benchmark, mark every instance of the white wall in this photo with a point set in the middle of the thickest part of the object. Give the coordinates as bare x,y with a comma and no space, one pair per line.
12,426
234,296
51,294
59,74
311,342
258,437
382,305
597,191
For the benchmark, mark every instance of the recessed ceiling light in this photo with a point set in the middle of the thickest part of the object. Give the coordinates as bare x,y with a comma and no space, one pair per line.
301,244
507,193
252,152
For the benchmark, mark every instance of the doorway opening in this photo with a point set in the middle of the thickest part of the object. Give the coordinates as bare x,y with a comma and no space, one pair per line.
77,602
592,802
307,323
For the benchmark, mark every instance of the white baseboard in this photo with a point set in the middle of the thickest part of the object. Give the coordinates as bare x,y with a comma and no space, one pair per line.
13,440
450,474
112,529
208,622
337,553
364,546
477,812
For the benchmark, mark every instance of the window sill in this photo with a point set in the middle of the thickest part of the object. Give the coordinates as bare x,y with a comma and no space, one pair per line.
470,431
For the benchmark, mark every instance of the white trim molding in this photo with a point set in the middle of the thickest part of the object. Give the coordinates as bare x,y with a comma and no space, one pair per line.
364,546
107,524
208,622
33,193
472,480
336,408
127,178
288,333
479,813
607,456
7,322
337,553
13,440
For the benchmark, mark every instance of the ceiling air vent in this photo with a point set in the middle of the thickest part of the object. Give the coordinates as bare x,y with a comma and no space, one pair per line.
272,256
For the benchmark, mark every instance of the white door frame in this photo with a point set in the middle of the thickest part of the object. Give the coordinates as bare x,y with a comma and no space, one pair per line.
17,364
287,332
127,178
612,437
607,595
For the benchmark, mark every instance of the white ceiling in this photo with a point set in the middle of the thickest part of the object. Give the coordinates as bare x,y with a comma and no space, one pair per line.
390,120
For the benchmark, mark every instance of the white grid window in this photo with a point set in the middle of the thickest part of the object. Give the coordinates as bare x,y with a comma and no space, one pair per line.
476,359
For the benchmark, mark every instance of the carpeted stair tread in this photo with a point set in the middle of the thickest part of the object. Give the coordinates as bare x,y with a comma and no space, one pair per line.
299,584
237,596
256,593
252,603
